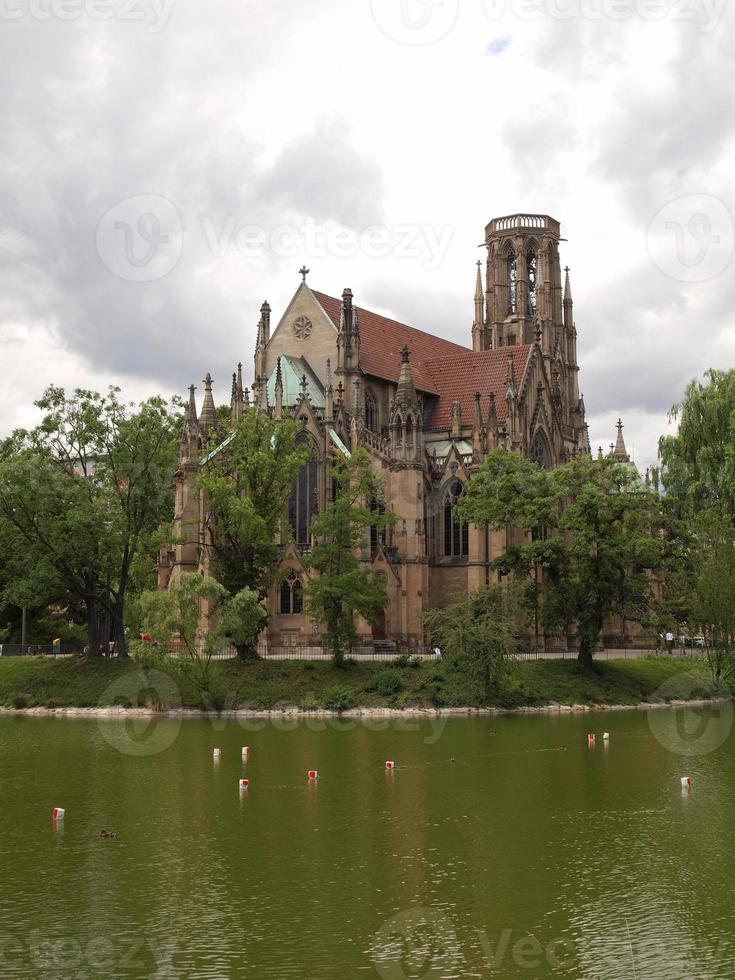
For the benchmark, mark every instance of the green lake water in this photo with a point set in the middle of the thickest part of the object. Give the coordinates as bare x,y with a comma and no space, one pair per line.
529,855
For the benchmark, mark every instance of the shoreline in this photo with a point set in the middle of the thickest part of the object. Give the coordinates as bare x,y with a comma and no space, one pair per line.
117,712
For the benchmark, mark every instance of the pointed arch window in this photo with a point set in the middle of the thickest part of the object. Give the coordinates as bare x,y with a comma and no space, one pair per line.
456,532
377,534
512,280
540,452
291,596
303,503
532,272
371,412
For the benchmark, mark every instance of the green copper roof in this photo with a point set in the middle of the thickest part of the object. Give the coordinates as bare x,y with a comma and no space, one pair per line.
293,370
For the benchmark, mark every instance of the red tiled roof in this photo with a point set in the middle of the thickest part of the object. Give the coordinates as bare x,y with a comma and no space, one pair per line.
381,340
439,367
457,379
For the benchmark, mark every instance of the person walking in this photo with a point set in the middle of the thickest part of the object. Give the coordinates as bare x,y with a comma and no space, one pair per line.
670,642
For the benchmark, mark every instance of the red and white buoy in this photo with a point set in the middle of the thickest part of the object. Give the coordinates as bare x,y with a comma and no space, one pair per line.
245,753
57,813
591,740
244,783
313,774
390,766
686,782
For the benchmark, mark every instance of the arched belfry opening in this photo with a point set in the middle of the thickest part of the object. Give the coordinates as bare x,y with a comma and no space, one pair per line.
524,283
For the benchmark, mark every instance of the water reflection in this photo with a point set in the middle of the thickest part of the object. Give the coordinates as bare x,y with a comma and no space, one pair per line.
529,855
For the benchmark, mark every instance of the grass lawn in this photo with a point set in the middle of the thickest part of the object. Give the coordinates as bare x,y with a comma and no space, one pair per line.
31,682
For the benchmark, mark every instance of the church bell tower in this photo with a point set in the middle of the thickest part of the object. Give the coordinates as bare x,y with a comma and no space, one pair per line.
523,286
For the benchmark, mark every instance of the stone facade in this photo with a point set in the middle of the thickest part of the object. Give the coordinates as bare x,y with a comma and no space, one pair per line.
427,410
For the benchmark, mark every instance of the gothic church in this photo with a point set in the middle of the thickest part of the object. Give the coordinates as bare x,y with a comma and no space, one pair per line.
427,410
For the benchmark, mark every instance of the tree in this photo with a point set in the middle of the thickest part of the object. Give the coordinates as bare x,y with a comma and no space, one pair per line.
172,616
246,484
698,462
85,492
698,474
482,635
591,526
343,587
713,599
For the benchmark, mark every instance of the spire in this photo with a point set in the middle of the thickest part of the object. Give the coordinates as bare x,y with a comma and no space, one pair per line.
510,378
189,429
567,287
265,319
456,420
492,417
208,418
329,395
279,390
568,307
191,408
234,403
406,391
240,392
620,453
478,323
478,410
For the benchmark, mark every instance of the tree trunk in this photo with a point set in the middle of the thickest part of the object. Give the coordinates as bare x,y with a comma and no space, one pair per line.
118,630
246,653
90,603
585,658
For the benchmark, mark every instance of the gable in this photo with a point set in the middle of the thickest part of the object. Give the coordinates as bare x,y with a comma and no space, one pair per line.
304,331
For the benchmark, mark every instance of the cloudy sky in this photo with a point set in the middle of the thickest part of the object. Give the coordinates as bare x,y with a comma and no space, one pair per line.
167,165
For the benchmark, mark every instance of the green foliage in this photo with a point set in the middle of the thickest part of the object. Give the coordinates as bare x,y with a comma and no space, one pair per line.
81,498
242,619
387,682
713,602
698,463
481,635
588,538
247,484
698,472
265,684
343,587
402,660
338,698
173,616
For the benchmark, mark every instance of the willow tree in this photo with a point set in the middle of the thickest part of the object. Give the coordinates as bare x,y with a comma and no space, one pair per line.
698,474
590,525
698,462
